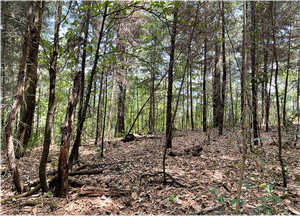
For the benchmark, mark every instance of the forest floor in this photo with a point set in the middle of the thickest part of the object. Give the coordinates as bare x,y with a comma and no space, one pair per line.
211,178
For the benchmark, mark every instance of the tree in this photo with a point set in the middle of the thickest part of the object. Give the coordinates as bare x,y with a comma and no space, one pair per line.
222,105
121,81
244,114
288,66
170,79
28,108
61,189
282,164
253,74
168,143
204,73
51,103
89,89
12,115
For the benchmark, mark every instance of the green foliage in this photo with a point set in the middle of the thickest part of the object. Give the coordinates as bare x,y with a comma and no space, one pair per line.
172,198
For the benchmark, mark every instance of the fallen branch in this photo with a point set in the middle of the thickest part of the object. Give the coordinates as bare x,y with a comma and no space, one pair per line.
155,174
107,164
29,193
101,192
78,181
85,172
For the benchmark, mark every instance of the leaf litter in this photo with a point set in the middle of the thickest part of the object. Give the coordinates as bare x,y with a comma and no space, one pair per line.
211,178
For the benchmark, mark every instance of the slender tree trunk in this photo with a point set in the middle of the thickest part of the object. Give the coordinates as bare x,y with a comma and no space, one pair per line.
37,129
61,189
89,89
191,97
121,81
51,103
170,82
253,73
98,126
222,105
187,118
204,76
168,143
14,110
104,116
216,88
268,104
28,109
265,81
287,78
231,94
111,103
80,117
282,164
244,114
4,42
298,93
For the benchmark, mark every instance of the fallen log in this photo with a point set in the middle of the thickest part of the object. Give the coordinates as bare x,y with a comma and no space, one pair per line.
85,172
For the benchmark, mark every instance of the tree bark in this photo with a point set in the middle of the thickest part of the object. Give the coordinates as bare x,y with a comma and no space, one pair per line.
110,104
287,78
83,62
244,113
168,143
298,89
121,83
282,164
204,74
170,81
28,109
61,189
253,74
89,89
12,115
51,103
217,85
222,105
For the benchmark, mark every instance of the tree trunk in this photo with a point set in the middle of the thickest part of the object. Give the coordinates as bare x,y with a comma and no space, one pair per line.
265,81
170,81
81,93
204,75
222,104
121,81
283,166
61,189
191,95
152,100
168,143
253,74
244,114
298,89
104,116
4,42
216,87
37,129
187,119
110,103
51,103
98,126
287,77
89,89
268,105
14,110
28,109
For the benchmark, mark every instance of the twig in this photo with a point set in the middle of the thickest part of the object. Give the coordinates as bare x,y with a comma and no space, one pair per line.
155,174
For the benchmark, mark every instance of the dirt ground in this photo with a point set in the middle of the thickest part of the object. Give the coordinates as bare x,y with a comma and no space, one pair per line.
210,175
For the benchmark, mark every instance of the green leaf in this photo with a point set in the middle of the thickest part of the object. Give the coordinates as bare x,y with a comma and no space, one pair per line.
260,207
